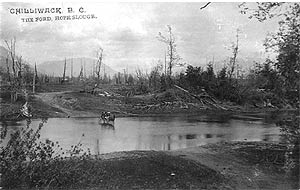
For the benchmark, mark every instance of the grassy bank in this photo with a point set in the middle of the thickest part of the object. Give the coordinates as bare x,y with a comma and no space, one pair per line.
221,166
132,170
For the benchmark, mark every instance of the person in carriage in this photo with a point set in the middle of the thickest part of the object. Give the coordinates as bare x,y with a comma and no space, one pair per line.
107,118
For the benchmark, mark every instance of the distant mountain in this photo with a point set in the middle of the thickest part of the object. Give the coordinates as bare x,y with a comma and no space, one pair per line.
56,68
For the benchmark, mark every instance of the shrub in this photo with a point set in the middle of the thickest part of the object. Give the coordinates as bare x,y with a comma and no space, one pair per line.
27,162
290,129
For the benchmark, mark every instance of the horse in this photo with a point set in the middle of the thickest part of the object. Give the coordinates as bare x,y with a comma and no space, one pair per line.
107,118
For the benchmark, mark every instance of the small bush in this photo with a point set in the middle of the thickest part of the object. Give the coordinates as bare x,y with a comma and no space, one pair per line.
290,129
27,162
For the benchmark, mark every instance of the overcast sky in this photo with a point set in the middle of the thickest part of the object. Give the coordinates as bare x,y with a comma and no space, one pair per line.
127,32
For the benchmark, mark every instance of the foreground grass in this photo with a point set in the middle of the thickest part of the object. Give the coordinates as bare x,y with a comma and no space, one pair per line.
238,165
131,170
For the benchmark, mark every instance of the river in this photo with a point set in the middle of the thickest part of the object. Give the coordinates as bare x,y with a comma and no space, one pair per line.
153,133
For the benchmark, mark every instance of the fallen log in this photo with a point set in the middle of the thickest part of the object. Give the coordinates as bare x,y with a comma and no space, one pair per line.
202,100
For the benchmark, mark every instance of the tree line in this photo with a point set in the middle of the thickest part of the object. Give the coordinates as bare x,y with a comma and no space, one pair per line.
273,82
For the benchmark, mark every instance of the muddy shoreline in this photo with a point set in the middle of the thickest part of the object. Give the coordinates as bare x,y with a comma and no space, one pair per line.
69,103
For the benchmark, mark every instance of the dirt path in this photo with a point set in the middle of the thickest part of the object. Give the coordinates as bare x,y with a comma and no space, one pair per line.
50,98
240,174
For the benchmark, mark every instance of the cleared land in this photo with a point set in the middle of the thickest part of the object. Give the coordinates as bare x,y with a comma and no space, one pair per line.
79,101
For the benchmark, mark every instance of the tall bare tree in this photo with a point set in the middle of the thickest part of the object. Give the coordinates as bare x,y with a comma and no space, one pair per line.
233,62
72,69
8,70
99,62
11,46
64,73
34,79
169,40
80,77
84,69
16,65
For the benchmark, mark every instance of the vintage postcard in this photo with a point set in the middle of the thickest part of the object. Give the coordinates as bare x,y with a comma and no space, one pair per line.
149,95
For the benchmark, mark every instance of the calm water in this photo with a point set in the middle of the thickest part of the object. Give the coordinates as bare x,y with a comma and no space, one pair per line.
153,133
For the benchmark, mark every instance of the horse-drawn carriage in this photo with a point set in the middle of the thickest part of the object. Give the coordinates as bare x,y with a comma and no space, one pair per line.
107,118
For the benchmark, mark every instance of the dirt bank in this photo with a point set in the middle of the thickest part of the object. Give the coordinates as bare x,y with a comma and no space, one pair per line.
239,165
78,104
76,101
245,165
217,166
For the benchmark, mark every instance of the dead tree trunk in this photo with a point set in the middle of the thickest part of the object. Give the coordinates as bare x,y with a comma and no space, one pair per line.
72,69
64,74
173,56
99,62
33,84
36,73
235,49
34,78
14,79
8,70
12,52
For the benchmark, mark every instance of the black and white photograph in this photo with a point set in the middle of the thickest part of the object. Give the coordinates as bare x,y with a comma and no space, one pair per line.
149,95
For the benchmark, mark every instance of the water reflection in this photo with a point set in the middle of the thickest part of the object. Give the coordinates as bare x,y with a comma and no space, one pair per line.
153,133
